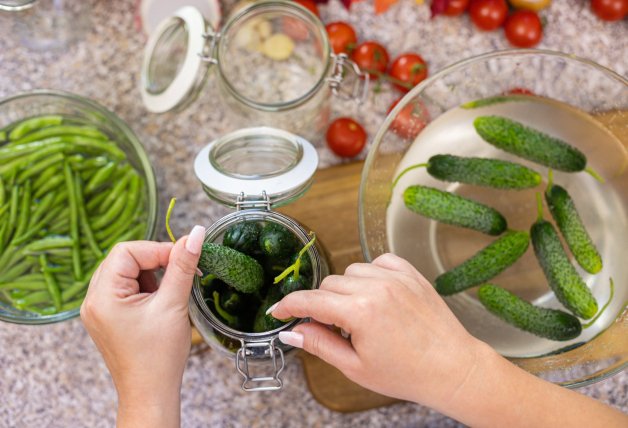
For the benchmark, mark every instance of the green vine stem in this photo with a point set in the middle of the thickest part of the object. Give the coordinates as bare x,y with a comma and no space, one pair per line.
297,264
594,174
173,201
590,323
539,206
226,315
410,168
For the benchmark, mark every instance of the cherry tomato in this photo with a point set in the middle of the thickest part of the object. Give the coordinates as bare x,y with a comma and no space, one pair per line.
456,7
371,57
409,68
341,37
346,137
410,120
610,10
523,29
309,5
534,5
488,15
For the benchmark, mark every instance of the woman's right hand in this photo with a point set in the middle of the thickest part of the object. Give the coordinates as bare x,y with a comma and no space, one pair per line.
405,342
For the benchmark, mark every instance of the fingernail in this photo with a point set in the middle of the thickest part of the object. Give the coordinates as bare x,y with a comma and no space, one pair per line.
291,338
199,272
195,240
272,308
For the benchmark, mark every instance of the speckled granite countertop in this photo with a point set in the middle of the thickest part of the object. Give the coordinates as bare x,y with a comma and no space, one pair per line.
53,376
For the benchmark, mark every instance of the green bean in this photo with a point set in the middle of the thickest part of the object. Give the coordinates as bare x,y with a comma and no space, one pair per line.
111,214
60,198
23,285
85,226
74,222
100,177
12,212
3,229
35,298
43,178
78,286
31,277
118,188
73,304
126,217
48,243
18,294
91,163
39,167
16,271
65,280
48,310
2,192
42,207
61,252
3,209
51,283
135,233
25,210
61,130
10,153
95,201
91,144
23,161
28,125
59,269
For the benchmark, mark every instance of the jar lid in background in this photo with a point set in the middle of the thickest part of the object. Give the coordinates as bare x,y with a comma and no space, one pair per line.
153,12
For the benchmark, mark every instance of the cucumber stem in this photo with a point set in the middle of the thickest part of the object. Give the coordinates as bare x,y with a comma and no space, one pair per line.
590,323
297,264
168,214
410,168
226,315
539,206
594,174
550,178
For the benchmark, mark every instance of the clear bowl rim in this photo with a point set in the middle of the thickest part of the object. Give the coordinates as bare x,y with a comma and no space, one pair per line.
384,127
151,183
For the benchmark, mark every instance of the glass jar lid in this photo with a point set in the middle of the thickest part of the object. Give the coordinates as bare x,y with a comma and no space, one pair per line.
253,164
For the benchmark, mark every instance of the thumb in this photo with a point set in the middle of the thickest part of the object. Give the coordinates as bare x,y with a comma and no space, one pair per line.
176,284
317,339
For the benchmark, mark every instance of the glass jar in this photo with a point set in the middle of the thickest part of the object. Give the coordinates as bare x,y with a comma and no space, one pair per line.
254,170
273,66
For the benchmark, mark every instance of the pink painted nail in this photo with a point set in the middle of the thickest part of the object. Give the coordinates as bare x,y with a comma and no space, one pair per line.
291,338
195,240
199,272
272,308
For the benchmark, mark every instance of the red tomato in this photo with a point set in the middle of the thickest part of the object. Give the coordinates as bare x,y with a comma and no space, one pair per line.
488,15
410,120
456,7
610,10
519,91
309,5
409,68
341,37
371,57
346,137
523,29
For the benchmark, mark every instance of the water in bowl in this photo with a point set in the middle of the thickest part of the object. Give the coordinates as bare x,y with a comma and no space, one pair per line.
434,248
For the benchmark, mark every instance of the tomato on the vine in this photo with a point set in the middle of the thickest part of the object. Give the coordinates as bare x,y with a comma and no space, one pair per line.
410,120
523,29
488,15
309,5
371,57
456,7
610,10
409,69
342,37
346,137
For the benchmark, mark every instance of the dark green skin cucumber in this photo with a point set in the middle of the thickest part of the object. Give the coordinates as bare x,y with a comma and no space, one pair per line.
486,264
276,241
243,237
563,279
482,172
236,269
570,225
290,284
518,139
453,209
231,300
265,322
551,324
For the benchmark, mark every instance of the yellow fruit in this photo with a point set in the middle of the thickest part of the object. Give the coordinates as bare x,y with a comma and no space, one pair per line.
534,5
278,47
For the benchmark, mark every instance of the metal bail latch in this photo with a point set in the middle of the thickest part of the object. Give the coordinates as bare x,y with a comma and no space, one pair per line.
342,67
260,383
209,46
244,202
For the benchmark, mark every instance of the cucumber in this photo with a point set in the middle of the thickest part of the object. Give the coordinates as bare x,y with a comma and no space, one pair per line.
243,237
231,300
484,265
265,322
570,225
482,172
236,269
563,279
551,324
290,284
518,139
277,242
453,209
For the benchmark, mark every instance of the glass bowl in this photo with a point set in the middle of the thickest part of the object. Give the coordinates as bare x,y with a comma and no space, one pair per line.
44,102
568,97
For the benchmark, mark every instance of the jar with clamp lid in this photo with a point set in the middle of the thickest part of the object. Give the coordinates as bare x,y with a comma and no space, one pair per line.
255,170
273,67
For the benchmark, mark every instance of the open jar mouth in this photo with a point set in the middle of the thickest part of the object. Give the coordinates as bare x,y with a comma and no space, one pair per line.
287,82
215,232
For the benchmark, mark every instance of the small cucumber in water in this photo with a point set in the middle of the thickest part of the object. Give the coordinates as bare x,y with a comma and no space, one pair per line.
265,322
563,279
276,241
570,225
236,269
453,209
486,264
482,172
551,324
243,237
518,139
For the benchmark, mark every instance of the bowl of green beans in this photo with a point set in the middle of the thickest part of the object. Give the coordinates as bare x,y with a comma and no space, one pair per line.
74,181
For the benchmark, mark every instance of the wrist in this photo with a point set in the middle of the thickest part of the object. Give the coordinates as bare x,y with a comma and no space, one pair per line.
149,407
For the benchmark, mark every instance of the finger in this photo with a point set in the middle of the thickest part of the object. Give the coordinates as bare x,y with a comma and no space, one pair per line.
367,270
128,259
318,340
347,285
177,281
147,281
323,306
396,263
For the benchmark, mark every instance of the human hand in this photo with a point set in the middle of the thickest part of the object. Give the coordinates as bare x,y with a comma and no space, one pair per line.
405,342
141,327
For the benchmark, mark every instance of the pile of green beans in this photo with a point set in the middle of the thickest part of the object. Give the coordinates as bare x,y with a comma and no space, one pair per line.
67,195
